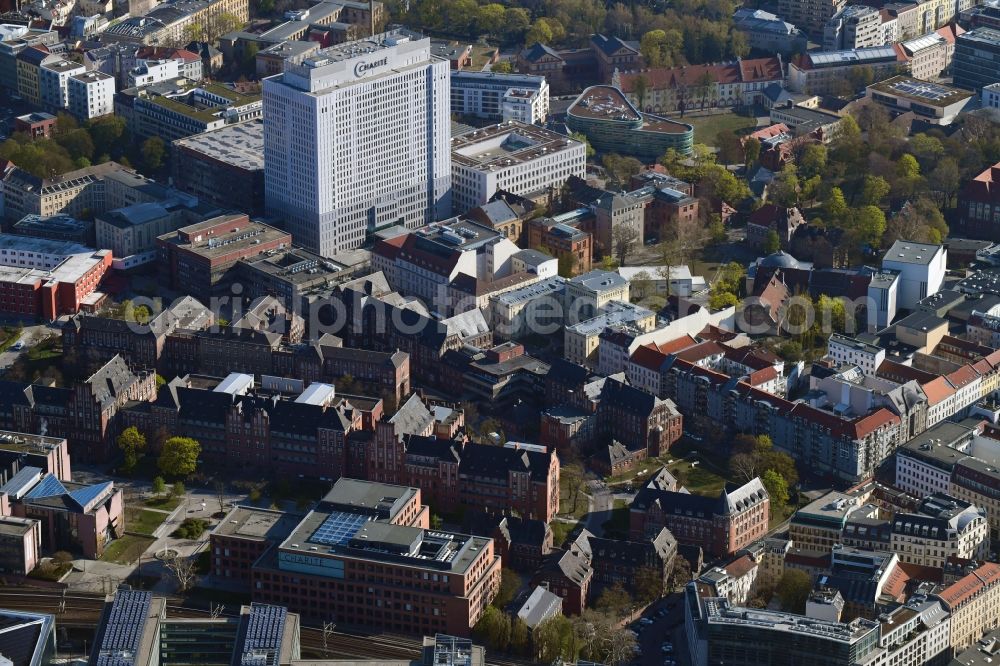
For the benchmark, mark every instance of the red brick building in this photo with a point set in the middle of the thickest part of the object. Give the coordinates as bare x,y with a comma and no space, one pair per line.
979,205
200,259
44,279
363,557
719,525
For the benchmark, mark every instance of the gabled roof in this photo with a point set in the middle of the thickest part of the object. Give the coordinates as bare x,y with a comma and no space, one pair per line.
539,51
937,390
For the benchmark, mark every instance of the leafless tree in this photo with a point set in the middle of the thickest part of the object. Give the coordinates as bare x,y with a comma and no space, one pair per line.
623,237
743,465
183,569
220,490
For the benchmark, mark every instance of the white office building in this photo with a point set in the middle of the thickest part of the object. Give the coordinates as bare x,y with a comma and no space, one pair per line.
91,95
521,97
356,140
921,270
148,72
853,27
843,349
521,159
53,78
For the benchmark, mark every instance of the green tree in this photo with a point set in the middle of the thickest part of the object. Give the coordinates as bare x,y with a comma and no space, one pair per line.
77,143
178,489
720,300
730,148
785,188
614,600
132,443
554,639
159,485
773,242
179,456
648,584
641,89
153,150
751,151
776,488
520,637
493,629
927,149
832,310
907,167
490,19
567,264
868,224
719,182
502,67
582,138
623,239
659,47
874,190
793,590
813,160
510,583
835,206
516,23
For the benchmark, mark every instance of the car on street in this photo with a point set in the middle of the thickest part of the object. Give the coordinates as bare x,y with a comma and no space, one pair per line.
18,346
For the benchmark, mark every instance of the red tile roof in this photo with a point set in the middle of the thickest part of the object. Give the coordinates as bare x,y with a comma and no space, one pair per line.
984,188
701,351
937,390
739,567
962,377
745,71
770,131
648,357
768,374
967,587
674,346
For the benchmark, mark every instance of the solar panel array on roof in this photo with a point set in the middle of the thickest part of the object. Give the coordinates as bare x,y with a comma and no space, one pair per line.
123,630
50,486
262,644
17,484
85,496
339,528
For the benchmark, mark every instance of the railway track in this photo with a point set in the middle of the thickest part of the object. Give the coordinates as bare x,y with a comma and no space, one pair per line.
83,610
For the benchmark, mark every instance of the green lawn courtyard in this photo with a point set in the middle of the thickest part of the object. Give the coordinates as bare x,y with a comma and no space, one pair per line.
706,128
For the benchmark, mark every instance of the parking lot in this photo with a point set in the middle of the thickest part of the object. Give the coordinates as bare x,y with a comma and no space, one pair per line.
661,634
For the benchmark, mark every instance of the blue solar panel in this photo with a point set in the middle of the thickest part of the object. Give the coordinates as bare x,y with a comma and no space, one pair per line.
262,643
85,496
47,487
123,630
339,528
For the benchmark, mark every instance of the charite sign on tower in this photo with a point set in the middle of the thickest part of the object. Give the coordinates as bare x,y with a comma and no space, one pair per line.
363,68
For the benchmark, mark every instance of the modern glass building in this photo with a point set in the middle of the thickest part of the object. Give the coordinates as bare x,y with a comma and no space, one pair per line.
976,62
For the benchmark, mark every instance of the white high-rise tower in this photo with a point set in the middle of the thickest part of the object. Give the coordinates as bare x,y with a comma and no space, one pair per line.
357,139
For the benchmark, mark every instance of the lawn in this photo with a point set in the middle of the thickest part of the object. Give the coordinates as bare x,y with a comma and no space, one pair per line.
697,478
566,507
8,336
560,531
144,521
127,549
706,128
165,503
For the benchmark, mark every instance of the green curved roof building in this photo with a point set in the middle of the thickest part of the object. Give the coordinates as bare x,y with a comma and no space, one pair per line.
613,124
